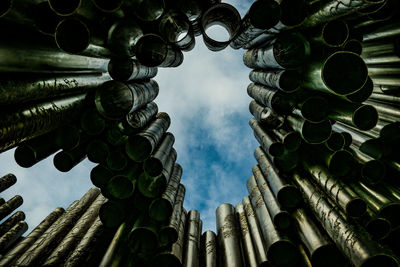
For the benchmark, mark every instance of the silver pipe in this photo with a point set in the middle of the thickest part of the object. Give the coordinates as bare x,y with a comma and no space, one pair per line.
266,116
268,141
7,181
209,249
191,257
11,222
127,69
247,245
11,205
9,238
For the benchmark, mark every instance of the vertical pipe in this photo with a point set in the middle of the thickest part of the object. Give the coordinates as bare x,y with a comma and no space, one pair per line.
209,249
248,248
192,244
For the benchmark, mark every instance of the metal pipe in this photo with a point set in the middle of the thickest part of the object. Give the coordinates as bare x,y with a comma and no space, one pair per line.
280,250
38,119
268,141
162,208
372,171
342,194
287,162
127,69
86,245
287,52
191,254
287,195
262,15
140,146
152,51
390,131
118,240
348,139
381,48
65,160
291,140
335,142
358,135
112,214
382,60
376,148
247,245
387,31
28,241
224,15
9,238
281,218
154,165
320,248
134,121
7,181
122,38
387,99
209,249
170,233
143,237
361,95
385,110
176,28
285,80
270,97
351,239
378,227
261,41
153,187
116,99
339,163
91,122
312,133
329,75
228,236
97,151
11,205
353,45
363,117
68,136
120,187
11,221
256,236
314,109
57,231
145,10
333,33
266,116
74,236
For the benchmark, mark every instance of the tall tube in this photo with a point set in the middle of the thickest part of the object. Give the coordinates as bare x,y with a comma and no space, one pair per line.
266,140
127,69
11,221
191,257
270,97
12,235
123,36
286,80
134,121
154,165
7,181
209,249
248,249
266,116
11,205
312,133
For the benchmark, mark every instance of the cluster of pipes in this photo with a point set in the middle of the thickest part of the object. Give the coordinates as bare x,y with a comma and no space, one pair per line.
324,191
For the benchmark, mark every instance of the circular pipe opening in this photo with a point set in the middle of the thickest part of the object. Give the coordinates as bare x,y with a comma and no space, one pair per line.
264,14
340,162
354,46
327,255
276,149
365,117
335,33
151,50
316,133
335,142
356,208
373,172
292,141
291,50
64,7
149,10
25,156
107,5
283,253
5,7
120,187
290,81
72,36
315,109
363,94
379,228
344,72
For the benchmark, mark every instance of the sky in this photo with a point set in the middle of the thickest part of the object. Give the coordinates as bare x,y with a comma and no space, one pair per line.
207,100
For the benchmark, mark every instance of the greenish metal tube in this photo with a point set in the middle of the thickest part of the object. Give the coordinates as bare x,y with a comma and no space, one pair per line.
118,240
333,33
116,136
287,162
162,208
247,245
268,141
312,133
120,187
321,250
7,181
91,122
372,171
11,205
262,15
140,146
209,249
68,136
335,142
222,14
266,116
74,236
385,110
287,195
11,221
378,227
363,117
270,97
338,163
286,80
352,240
116,99
100,175
112,214
363,94
340,193
108,5
386,31
145,10
36,119
121,40
134,121
314,109
97,151
28,241
191,254
127,69
388,99
154,165
153,51
291,140
353,45
116,159
281,218
65,160
381,48
9,238
288,51
340,73
280,250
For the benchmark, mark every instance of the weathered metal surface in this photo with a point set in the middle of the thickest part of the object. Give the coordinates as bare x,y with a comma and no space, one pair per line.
247,245
191,257
7,181
10,206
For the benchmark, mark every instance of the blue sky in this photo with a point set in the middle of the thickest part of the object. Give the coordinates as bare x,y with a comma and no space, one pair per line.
207,100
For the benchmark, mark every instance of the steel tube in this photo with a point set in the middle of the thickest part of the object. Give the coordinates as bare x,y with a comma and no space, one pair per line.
7,181
24,245
39,251
268,141
363,94
291,140
351,240
335,142
12,235
339,163
209,249
266,116
162,208
270,97
65,160
127,69
363,117
385,110
118,240
314,109
387,99
372,171
353,45
191,255
140,146
262,15
153,51
381,48
97,151
288,51
75,235
321,250
143,237
145,10
256,236
312,133
11,205
378,227
11,221
224,15
334,33
134,121
112,214
287,195
154,165
228,236
280,250
247,245
386,31
68,136
122,38
285,80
